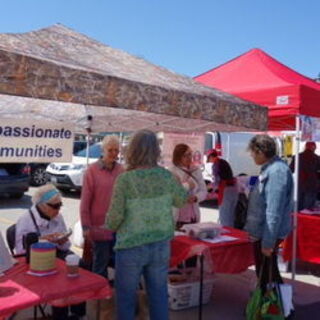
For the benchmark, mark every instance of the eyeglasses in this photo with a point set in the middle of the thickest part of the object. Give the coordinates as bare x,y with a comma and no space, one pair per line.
55,205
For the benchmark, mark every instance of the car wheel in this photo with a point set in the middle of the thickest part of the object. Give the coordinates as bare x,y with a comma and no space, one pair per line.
39,176
17,195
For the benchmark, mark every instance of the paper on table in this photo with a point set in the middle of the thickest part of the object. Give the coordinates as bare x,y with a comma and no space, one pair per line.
307,211
220,239
179,233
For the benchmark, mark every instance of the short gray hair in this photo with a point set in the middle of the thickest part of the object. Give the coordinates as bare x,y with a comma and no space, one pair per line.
108,140
42,190
263,143
143,150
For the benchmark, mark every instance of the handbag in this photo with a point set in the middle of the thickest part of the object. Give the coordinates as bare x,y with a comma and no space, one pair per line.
265,305
254,305
78,239
271,306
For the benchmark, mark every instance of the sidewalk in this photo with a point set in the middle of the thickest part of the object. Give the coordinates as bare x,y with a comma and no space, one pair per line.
231,292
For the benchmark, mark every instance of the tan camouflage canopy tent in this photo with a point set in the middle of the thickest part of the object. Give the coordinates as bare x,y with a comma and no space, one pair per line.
57,73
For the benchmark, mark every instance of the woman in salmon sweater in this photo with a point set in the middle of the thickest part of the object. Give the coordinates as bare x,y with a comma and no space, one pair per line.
95,199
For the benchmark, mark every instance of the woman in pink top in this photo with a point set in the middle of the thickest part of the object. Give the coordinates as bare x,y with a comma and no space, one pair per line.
95,199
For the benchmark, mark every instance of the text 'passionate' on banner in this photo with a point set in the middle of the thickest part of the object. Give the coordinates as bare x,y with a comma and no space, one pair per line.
35,141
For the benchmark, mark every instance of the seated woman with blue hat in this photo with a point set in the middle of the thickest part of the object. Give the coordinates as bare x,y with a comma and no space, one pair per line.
44,221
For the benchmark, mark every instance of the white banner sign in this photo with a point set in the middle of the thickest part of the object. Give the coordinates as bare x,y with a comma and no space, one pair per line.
194,141
35,141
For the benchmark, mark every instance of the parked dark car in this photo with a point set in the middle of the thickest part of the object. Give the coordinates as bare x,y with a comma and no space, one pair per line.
38,175
14,179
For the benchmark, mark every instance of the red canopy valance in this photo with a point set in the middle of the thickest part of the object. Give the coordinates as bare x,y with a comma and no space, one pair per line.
257,77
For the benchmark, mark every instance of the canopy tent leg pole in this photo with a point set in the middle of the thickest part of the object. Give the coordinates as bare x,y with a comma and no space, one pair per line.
295,198
201,286
228,147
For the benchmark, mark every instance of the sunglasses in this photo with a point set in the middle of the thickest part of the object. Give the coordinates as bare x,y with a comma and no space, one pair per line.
55,205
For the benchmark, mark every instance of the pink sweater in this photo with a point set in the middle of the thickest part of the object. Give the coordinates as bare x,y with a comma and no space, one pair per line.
95,198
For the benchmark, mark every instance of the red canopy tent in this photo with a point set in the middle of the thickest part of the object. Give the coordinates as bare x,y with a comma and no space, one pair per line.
257,77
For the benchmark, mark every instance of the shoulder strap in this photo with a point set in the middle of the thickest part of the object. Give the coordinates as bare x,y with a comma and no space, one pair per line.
34,222
188,173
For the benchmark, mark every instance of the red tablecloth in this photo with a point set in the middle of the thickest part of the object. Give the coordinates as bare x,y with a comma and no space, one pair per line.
308,239
19,290
227,257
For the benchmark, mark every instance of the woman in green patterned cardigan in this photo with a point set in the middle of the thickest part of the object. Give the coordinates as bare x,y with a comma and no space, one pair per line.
141,214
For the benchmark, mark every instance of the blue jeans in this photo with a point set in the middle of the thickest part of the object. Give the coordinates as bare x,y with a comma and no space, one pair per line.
151,261
228,206
102,252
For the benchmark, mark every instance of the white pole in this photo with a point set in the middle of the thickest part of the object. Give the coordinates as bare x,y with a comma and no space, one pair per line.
295,198
228,147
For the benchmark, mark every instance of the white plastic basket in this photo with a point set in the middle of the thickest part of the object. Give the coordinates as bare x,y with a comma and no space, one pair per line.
186,294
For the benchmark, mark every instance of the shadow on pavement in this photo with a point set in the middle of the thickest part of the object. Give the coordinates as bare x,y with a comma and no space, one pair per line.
308,311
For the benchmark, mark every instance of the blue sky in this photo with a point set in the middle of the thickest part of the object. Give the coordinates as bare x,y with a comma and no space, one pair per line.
186,36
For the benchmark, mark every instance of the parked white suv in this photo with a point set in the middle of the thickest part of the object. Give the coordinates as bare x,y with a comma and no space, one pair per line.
69,176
